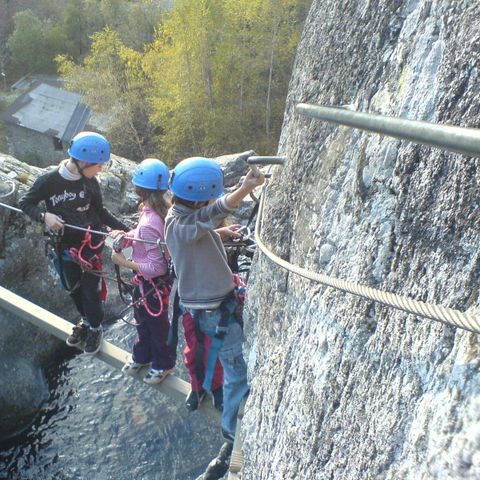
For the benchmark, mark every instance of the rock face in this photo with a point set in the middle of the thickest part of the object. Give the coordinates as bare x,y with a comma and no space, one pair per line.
344,388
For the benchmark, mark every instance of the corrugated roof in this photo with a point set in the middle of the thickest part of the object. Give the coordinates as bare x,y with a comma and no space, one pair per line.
49,110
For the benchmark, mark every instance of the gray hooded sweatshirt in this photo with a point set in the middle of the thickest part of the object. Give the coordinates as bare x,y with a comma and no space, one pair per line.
198,254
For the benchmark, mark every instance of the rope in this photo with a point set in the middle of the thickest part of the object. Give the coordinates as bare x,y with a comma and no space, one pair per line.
434,312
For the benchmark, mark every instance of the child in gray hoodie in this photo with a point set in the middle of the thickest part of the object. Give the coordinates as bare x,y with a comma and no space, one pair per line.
205,282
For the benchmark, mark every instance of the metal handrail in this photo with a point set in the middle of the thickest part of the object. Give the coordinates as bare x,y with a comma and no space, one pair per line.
446,137
158,242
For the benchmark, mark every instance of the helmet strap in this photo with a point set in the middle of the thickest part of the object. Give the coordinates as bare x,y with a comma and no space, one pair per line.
81,169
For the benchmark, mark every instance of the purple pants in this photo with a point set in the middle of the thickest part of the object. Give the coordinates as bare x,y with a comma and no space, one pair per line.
151,342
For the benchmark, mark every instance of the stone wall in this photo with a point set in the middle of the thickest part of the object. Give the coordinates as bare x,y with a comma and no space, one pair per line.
33,147
343,388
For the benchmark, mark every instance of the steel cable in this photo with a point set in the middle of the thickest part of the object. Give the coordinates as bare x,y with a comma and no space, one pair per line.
446,315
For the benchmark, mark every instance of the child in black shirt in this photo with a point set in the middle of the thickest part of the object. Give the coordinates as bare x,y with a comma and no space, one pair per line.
71,194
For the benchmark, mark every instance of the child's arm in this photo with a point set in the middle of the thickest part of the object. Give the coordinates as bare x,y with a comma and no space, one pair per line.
250,182
29,204
118,258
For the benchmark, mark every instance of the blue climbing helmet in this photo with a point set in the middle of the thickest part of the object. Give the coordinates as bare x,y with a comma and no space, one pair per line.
197,180
151,174
89,147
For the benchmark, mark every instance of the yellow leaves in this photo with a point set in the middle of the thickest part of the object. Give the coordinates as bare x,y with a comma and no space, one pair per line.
65,64
204,78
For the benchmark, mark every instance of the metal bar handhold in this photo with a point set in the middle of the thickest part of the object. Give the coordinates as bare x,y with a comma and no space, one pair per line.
257,160
446,137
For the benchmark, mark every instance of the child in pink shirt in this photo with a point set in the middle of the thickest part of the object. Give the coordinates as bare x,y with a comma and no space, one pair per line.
152,281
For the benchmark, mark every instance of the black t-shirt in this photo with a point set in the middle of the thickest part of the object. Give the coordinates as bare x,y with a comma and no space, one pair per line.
78,202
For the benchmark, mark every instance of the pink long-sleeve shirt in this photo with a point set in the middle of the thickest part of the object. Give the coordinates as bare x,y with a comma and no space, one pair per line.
149,258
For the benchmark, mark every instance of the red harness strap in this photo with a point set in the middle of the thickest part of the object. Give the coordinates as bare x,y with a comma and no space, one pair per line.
94,262
162,294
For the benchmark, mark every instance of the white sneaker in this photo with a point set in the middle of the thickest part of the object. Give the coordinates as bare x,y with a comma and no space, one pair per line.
131,367
157,376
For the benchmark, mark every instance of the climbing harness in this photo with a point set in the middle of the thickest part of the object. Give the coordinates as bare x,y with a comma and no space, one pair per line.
78,254
159,287
92,265
54,251
162,295
231,311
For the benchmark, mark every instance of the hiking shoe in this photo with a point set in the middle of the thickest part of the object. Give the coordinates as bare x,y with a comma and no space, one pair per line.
78,335
93,341
132,367
154,376
194,399
217,398
218,467
229,437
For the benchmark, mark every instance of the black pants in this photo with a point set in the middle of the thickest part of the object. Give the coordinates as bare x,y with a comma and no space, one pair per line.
85,292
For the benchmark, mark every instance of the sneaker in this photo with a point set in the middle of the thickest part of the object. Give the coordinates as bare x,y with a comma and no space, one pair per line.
229,437
132,367
78,335
157,376
217,398
194,399
93,341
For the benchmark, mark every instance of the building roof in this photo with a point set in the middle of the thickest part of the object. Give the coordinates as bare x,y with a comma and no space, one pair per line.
49,110
28,81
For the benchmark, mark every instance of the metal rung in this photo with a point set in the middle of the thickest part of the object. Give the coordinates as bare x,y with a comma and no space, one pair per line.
446,137
257,160
172,386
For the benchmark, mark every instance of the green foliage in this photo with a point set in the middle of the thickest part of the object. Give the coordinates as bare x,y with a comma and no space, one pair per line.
28,44
66,27
205,77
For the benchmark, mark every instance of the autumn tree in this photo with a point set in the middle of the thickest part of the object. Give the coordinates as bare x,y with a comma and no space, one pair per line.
112,81
221,69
